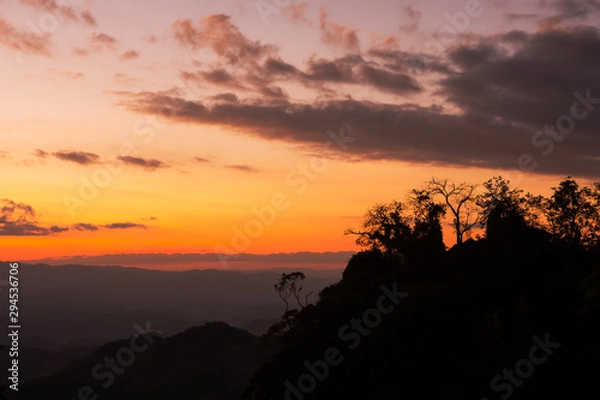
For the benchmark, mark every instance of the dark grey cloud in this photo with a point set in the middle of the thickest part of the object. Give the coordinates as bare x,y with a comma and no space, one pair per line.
85,227
568,9
146,163
20,219
114,225
124,225
500,91
227,97
535,86
408,132
79,157
263,79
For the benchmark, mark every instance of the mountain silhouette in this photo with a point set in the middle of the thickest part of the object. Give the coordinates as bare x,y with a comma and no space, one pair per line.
213,361
513,314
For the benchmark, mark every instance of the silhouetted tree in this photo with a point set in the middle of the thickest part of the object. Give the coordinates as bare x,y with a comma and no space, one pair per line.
572,212
503,209
291,285
474,316
460,199
385,229
427,215
406,231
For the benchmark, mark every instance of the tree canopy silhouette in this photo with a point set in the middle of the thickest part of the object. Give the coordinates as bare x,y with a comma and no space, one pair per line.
473,309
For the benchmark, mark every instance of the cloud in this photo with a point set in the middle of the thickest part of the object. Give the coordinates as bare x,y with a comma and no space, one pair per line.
297,13
387,81
218,33
20,219
264,80
404,132
52,6
85,227
78,157
489,96
97,42
65,74
114,225
511,17
62,11
88,18
41,153
201,160
336,34
218,76
124,225
353,69
242,167
263,73
227,97
25,41
130,55
102,39
149,164
414,18
570,9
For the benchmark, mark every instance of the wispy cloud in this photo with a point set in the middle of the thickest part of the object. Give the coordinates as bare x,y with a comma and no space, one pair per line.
297,13
146,163
65,74
52,6
85,227
114,225
41,153
414,18
125,79
222,36
97,42
25,41
130,55
242,167
124,225
337,34
79,157
88,18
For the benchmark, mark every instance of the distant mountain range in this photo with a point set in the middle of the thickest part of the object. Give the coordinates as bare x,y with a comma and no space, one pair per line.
210,362
76,306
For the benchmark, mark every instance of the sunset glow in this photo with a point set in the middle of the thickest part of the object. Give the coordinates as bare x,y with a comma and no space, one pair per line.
170,127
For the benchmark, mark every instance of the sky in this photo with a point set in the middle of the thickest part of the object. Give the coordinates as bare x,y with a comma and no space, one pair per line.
197,127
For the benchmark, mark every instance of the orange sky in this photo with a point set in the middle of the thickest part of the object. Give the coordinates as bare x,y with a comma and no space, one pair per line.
162,128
